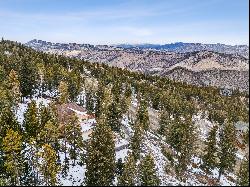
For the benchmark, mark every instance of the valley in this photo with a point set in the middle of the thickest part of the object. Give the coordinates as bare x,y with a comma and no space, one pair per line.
197,66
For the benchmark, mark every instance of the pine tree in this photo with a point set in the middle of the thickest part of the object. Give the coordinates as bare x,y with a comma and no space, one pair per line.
64,92
48,78
165,121
142,115
136,140
116,90
2,168
126,100
181,135
49,134
46,114
74,137
243,173
128,177
125,104
41,73
4,98
147,172
8,121
31,121
28,176
114,117
48,166
156,100
74,84
28,78
31,170
119,167
2,73
217,116
210,155
14,86
100,161
90,102
99,98
227,149
12,149
4,182
246,137
49,130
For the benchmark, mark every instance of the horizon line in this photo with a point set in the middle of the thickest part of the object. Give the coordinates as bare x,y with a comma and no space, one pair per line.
130,43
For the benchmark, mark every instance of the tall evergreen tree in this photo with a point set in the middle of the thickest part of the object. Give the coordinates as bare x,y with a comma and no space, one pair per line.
64,92
12,149
142,114
31,120
164,122
46,114
227,149
156,100
128,177
243,173
136,140
114,117
48,166
100,161
49,134
2,73
210,154
31,163
14,86
5,100
74,84
119,167
126,100
74,137
99,98
90,105
41,73
181,135
147,172
28,78
8,121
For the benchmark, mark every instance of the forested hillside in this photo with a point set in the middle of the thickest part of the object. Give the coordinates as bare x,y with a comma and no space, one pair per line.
219,69
194,138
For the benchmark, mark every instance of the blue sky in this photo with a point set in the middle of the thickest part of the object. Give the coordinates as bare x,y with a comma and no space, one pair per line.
126,21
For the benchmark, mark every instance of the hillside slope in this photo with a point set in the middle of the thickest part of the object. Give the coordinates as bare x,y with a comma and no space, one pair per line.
181,47
122,105
229,79
233,67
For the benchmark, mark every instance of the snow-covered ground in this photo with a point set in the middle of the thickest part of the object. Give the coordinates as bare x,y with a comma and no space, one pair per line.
86,126
75,174
152,143
22,107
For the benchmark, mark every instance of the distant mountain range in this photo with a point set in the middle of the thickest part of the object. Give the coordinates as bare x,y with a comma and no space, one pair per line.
181,47
218,65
